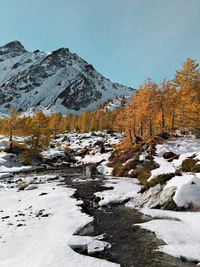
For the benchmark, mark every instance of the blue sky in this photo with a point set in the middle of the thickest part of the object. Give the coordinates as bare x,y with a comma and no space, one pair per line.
126,40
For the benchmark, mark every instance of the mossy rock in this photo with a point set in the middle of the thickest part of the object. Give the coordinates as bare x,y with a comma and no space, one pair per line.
170,205
22,186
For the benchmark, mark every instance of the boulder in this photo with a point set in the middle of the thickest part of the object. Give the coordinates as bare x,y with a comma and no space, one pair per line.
170,155
91,170
156,197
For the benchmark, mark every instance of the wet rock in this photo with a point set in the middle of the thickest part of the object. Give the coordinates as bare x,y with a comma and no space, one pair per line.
88,244
5,217
20,224
21,214
95,202
97,246
43,194
45,215
10,182
40,213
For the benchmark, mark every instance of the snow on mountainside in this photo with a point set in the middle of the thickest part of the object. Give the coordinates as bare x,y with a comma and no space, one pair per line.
59,81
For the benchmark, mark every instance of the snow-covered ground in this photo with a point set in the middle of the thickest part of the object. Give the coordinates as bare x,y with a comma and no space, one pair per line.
36,226
123,189
78,143
184,147
116,103
179,230
84,148
5,139
9,163
47,236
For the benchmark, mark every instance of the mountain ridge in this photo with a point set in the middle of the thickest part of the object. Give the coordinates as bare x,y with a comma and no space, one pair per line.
59,81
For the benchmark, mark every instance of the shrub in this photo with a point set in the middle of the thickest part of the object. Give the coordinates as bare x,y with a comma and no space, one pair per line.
116,169
123,170
16,148
141,175
196,168
188,164
30,155
118,157
67,150
149,165
160,179
121,156
143,171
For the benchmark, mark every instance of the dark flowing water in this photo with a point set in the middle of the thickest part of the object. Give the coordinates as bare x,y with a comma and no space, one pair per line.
131,245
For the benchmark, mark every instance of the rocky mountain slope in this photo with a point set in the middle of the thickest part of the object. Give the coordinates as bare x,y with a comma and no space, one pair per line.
58,81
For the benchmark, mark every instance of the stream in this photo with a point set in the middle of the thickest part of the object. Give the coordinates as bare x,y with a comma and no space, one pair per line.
131,246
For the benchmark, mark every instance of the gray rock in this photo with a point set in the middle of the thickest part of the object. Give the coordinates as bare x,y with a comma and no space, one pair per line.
155,197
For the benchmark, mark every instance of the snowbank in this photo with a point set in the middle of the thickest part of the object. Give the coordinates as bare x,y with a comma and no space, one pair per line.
188,190
123,189
184,147
179,230
39,226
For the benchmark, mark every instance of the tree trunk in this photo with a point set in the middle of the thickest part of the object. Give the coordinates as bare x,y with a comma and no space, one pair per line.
141,128
163,119
173,121
11,140
130,136
150,127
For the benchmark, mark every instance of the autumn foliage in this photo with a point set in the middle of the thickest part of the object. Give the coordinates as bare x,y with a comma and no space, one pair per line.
154,108
158,108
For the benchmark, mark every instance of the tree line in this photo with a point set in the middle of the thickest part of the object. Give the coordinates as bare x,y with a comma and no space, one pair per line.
153,108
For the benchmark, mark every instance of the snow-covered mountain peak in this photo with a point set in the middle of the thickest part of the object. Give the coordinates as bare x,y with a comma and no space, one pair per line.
58,81
14,48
